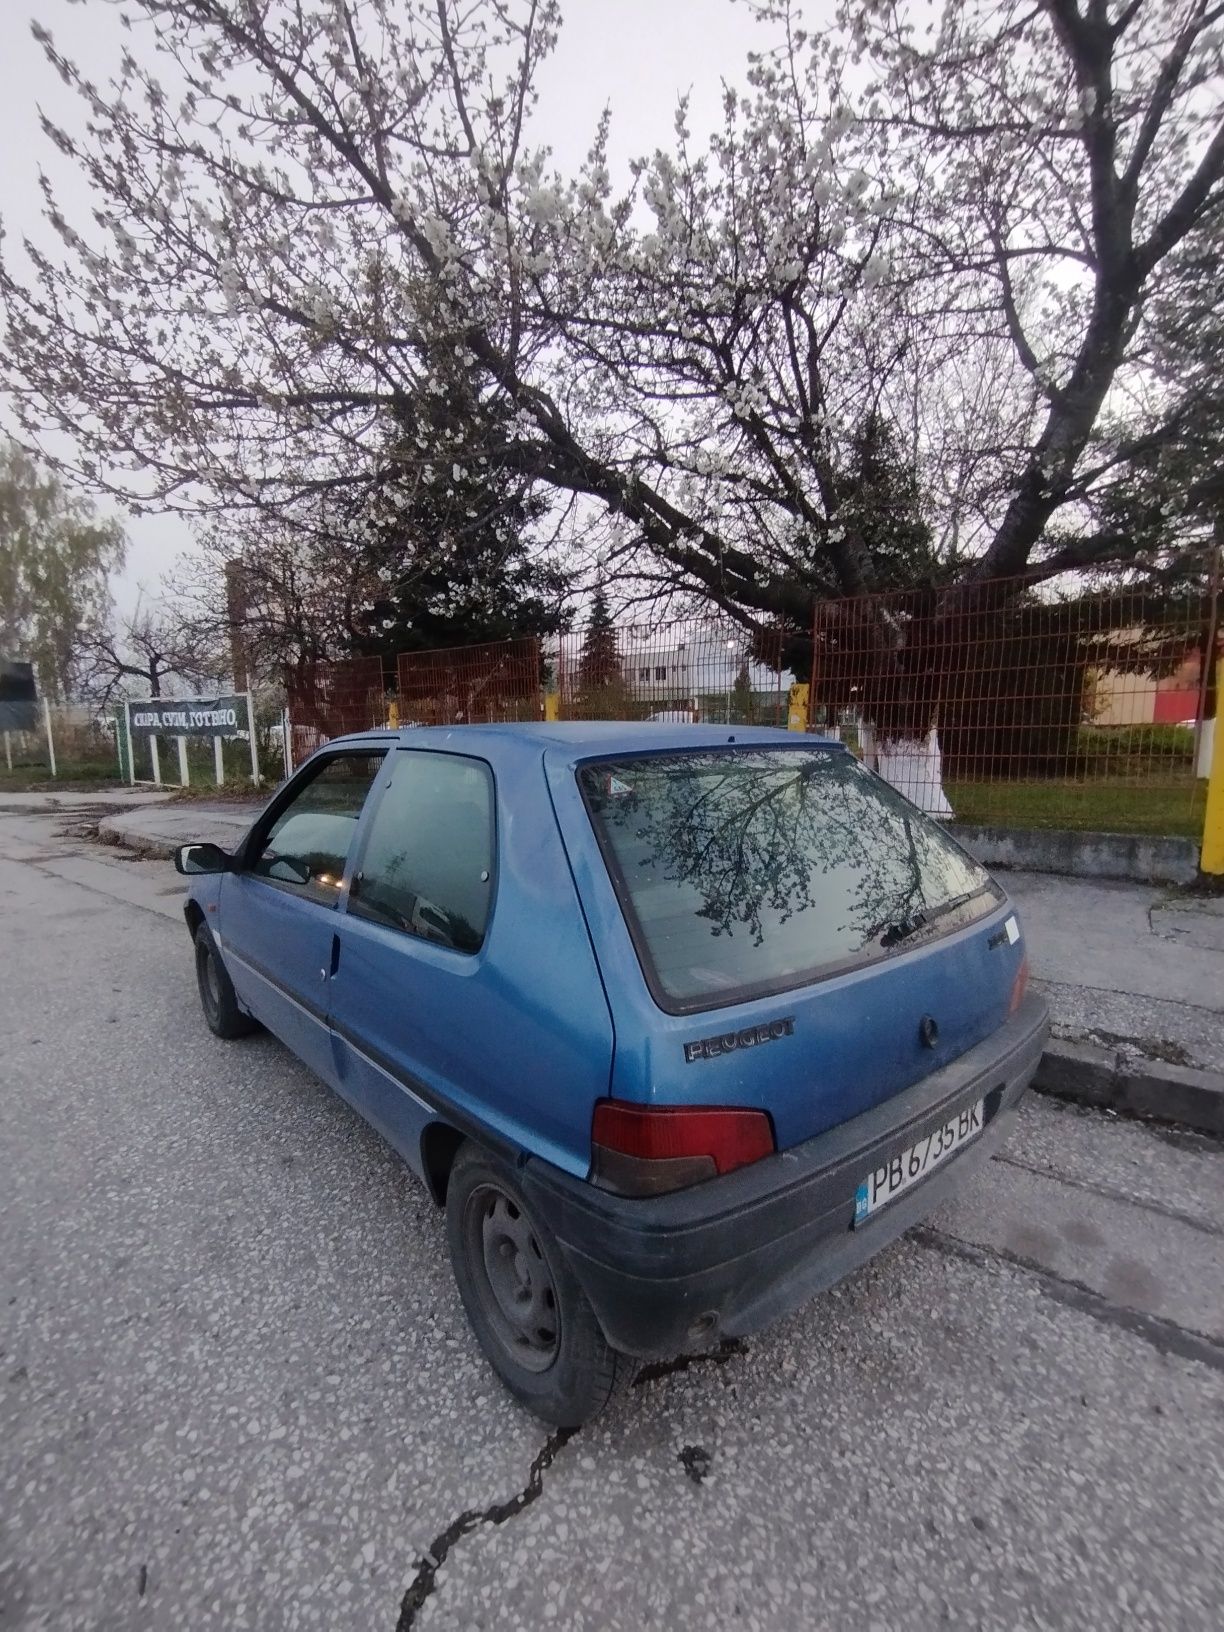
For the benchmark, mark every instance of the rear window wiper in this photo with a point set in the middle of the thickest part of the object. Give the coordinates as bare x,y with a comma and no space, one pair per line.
905,928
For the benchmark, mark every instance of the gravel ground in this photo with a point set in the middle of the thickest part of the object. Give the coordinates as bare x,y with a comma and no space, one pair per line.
238,1390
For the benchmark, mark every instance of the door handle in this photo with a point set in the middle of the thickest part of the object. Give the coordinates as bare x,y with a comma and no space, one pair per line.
335,956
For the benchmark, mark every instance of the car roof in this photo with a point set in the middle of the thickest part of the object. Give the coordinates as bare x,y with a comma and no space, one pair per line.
580,739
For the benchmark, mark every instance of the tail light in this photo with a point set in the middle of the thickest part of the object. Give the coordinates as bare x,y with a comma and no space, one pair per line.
645,1150
1019,986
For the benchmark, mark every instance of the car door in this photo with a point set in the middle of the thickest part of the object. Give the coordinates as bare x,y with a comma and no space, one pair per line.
277,914
405,994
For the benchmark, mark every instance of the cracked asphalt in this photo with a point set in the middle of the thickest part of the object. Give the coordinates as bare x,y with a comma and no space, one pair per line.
237,1389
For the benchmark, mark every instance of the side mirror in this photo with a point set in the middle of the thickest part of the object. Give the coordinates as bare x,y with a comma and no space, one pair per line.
201,858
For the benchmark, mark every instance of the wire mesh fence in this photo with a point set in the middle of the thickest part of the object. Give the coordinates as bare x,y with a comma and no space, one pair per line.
471,685
1009,702
696,672
1006,702
84,745
691,671
331,699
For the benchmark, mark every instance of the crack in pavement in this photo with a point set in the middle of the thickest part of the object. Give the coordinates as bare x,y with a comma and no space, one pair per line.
90,889
1165,1336
1111,991
45,855
1109,1193
1147,1047
425,1579
726,1350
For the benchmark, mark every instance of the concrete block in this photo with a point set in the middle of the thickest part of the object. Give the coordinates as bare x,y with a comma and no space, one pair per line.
1142,857
1093,1075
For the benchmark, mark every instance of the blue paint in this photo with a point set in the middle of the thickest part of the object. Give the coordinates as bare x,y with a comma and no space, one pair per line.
518,1040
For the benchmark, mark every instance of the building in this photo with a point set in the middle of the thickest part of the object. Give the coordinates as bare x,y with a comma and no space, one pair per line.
1131,697
701,674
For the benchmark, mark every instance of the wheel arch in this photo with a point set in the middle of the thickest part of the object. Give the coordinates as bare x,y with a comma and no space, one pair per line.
440,1144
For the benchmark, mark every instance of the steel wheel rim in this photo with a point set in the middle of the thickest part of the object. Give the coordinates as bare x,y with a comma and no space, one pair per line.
513,1277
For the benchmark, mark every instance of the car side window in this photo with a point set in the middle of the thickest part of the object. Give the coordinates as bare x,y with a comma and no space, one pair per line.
427,867
308,843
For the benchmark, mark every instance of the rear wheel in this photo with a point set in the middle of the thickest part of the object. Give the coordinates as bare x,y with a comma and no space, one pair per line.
530,1316
217,996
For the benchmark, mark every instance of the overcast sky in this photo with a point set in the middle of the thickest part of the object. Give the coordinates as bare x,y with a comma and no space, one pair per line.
637,55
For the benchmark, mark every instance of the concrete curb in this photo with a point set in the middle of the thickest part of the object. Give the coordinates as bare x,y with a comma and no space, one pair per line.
157,847
1115,1080
1141,858
111,830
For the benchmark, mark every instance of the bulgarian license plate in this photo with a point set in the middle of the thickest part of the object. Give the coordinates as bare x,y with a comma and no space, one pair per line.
895,1177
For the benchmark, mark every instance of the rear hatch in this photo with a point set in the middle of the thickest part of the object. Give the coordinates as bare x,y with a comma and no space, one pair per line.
780,929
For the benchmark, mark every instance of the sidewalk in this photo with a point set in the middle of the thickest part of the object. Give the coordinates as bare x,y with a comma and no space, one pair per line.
158,830
55,798
1134,974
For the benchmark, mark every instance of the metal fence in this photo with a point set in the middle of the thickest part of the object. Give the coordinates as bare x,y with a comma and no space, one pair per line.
330,699
1007,702
471,685
77,745
681,671
690,671
1010,702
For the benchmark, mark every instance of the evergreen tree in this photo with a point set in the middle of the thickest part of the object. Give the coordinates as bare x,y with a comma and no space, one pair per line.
442,555
881,508
741,695
600,662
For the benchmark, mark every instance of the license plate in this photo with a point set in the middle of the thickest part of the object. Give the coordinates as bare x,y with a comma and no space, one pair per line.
895,1177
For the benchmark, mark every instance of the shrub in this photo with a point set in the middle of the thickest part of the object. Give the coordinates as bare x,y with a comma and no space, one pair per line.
1170,744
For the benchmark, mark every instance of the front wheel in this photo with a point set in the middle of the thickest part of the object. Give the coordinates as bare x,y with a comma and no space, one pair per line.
217,996
528,1312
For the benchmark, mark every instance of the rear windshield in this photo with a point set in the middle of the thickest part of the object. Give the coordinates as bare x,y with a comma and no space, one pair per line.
749,870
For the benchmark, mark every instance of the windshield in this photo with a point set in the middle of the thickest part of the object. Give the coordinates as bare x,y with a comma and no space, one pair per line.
747,870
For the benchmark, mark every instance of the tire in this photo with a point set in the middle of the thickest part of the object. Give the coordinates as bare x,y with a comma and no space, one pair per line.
217,996
529,1314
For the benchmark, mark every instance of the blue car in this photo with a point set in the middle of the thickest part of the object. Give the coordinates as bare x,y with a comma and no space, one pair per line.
680,1024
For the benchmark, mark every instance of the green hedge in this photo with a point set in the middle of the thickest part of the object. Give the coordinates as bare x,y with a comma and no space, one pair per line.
1168,743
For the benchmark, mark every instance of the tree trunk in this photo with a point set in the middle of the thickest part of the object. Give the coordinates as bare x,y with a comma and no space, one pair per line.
1042,488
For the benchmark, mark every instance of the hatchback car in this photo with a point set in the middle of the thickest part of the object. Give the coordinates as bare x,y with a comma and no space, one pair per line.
680,1024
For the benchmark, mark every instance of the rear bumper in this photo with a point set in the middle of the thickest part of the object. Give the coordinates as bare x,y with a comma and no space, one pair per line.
679,1272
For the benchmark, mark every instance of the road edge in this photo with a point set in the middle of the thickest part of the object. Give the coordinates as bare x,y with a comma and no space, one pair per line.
1114,1080
113,830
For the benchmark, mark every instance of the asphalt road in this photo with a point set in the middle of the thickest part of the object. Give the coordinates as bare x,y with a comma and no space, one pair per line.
238,1390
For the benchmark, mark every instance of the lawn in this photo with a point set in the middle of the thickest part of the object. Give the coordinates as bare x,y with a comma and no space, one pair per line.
1102,805
74,777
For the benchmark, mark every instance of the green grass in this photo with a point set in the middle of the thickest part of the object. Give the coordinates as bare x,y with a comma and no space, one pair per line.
1171,746
74,776
1100,805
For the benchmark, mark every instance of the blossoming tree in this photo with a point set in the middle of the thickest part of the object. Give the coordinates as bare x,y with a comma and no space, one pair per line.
957,220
